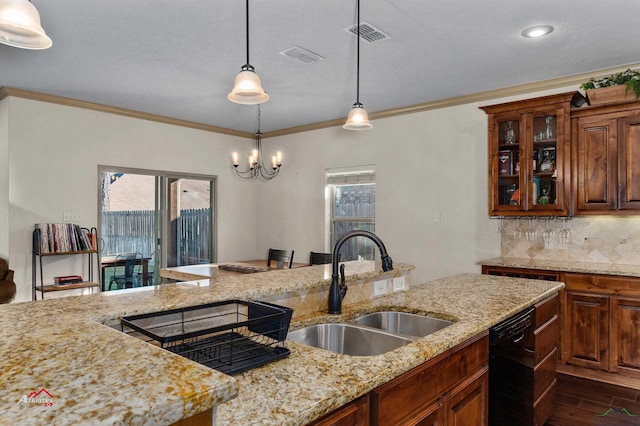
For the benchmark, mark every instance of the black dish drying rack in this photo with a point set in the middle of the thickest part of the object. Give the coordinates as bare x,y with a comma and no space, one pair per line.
230,336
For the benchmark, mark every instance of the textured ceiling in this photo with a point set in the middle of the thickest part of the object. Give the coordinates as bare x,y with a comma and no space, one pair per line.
179,58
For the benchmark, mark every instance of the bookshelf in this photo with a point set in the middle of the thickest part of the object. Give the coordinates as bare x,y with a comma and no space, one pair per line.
62,239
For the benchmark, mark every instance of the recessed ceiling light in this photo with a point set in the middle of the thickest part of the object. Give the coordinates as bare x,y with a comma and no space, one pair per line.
539,31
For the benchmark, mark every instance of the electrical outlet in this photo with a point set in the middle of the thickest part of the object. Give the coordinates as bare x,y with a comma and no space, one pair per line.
71,217
399,284
436,217
379,288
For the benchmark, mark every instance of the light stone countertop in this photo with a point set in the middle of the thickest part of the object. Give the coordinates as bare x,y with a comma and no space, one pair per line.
565,266
313,382
100,376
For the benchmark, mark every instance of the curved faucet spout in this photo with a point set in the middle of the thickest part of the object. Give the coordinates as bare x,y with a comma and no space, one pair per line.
339,289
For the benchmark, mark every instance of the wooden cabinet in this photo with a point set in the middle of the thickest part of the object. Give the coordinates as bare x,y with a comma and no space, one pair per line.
625,336
534,274
602,325
356,413
452,387
529,156
606,167
599,319
587,330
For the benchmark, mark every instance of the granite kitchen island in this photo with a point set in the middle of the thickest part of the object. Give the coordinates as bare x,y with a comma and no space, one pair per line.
71,347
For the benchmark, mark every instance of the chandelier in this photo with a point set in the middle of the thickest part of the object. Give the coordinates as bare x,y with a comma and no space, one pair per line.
256,167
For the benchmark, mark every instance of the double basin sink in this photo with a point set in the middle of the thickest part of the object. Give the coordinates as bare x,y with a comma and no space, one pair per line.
370,334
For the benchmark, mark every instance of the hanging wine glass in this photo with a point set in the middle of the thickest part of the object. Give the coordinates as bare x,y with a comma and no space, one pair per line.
564,235
531,230
548,235
517,231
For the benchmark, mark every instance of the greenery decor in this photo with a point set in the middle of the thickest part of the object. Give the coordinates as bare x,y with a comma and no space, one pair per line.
630,78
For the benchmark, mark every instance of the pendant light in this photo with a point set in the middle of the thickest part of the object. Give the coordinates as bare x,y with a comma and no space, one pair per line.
358,118
20,25
248,88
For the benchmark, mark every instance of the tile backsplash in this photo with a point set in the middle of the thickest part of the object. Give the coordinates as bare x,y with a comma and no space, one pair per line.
600,239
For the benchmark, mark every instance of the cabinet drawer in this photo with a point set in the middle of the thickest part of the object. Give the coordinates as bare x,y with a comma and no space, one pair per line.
544,374
543,407
545,310
397,401
546,339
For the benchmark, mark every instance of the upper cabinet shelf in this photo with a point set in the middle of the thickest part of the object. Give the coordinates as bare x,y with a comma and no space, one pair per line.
529,156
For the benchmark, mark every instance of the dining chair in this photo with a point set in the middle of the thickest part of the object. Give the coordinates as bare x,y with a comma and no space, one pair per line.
280,256
132,264
316,258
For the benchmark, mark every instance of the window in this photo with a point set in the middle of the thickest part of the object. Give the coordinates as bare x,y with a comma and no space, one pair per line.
168,218
352,199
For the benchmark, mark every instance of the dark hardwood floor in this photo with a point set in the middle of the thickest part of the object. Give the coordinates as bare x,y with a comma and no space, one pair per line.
582,402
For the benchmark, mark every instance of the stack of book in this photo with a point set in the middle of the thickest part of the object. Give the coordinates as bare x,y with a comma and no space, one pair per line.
67,279
65,238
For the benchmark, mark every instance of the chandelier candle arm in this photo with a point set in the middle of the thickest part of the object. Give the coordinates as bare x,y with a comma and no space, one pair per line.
256,167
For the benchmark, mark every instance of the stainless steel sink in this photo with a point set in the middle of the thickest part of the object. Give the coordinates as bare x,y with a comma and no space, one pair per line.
348,339
403,323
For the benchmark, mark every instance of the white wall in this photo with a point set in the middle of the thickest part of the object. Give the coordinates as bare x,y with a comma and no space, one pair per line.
427,163
54,153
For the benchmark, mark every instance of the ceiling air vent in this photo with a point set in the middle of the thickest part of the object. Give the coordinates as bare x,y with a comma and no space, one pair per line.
368,32
301,55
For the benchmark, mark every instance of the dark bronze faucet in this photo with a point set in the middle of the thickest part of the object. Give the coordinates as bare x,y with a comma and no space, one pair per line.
338,290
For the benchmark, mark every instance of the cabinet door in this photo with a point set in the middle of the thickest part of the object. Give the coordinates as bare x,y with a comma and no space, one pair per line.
625,336
355,413
587,330
629,163
468,403
596,165
548,150
505,192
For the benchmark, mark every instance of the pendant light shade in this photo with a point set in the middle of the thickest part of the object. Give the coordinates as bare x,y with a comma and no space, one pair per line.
248,88
20,25
358,118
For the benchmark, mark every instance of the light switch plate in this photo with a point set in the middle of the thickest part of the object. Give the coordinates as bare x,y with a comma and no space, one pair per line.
379,288
71,217
399,284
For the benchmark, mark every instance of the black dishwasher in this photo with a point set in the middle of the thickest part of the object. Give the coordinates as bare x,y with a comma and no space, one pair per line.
510,365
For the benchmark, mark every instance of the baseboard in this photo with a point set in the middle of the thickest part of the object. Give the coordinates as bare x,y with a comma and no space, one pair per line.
599,376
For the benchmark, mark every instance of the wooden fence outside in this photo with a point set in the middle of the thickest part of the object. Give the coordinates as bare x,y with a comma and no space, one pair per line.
134,231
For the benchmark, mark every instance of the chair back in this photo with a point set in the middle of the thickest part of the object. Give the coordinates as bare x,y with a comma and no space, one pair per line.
131,264
319,258
284,256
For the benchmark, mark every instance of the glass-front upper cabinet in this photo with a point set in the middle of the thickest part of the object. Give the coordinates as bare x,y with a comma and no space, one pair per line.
529,154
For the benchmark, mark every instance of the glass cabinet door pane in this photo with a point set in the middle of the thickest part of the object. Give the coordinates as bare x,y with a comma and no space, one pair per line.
544,188
508,163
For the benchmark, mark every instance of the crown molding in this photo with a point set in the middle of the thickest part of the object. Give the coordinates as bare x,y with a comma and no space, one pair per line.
461,100
411,109
60,100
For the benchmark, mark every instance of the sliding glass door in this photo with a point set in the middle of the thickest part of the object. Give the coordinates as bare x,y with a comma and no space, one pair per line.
167,218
